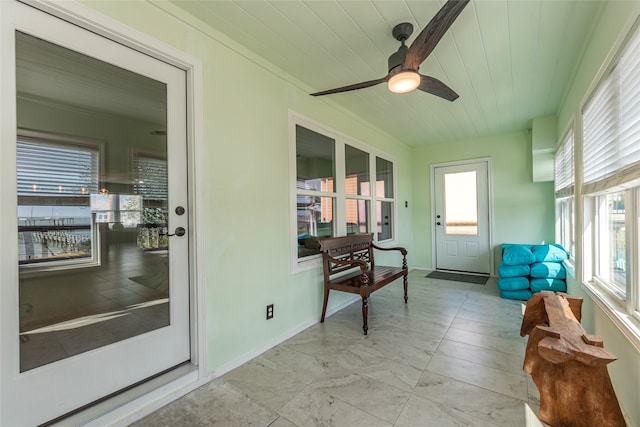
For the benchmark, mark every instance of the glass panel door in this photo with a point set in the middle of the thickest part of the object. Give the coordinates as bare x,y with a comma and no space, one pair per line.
461,217
96,297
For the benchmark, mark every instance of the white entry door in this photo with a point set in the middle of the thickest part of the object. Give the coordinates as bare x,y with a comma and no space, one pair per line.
461,217
94,283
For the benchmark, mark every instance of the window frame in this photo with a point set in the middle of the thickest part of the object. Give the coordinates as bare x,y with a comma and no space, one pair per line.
47,138
600,232
359,197
340,195
566,225
624,311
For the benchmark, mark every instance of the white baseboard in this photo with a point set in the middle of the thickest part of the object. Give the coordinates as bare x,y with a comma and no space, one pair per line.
293,332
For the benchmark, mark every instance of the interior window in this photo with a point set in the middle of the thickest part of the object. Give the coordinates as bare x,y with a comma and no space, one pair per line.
384,194
334,193
357,189
55,179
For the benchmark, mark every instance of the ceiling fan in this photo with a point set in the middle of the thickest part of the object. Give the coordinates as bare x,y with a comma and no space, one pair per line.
403,73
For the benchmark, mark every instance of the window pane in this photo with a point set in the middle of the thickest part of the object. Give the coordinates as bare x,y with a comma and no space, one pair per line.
461,203
357,171
54,216
612,262
384,178
51,169
357,216
564,166
53,233
315,220
566,216
385,220
572,228
315,161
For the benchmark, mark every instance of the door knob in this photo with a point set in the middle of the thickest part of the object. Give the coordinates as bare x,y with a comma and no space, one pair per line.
438,223
180,210
180,231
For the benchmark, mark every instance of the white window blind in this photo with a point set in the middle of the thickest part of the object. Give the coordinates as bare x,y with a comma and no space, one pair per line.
612,126
564,166
629,141
51,169
151,179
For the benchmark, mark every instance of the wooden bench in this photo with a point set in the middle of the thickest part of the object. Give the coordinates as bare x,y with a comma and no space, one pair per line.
568,366
353,256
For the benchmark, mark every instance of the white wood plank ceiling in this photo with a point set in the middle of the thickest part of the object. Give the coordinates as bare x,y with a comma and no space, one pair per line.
510,61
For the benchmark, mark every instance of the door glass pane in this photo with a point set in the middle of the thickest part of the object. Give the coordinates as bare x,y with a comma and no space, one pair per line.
461,203
357,216
357,171
92,215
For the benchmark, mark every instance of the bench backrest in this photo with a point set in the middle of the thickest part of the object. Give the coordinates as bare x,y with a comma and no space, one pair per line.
346,248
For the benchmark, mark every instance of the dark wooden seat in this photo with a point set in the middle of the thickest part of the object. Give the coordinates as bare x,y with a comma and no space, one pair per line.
348,265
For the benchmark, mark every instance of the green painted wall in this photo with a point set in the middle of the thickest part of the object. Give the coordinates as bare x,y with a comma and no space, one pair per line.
625,372
523,211
245,192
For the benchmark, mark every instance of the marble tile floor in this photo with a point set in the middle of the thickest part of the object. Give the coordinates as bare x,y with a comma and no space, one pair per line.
62,315
451,357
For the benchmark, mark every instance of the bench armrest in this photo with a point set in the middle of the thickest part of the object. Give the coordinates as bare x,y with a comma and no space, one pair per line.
403,251
355,263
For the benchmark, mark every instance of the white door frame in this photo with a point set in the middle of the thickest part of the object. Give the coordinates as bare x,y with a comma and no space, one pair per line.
158,392
432,172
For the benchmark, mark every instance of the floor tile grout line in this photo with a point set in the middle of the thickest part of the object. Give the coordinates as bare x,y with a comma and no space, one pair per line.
465,382
477,386
482,364
486,348
448,328
460,410
354,406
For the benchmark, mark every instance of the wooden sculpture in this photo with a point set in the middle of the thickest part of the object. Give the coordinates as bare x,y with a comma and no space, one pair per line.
568,366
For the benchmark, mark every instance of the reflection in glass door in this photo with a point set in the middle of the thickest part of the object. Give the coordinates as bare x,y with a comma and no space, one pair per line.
92,214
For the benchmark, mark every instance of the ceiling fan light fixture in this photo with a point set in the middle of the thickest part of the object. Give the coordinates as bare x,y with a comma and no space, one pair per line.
404,82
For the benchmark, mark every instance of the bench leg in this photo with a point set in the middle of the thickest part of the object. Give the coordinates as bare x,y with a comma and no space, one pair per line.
324,305
365,313
406,287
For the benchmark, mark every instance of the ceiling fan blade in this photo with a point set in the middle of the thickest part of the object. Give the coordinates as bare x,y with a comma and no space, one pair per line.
437,88
355,86
429,37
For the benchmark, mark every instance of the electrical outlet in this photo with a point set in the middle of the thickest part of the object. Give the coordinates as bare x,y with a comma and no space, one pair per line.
270,311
